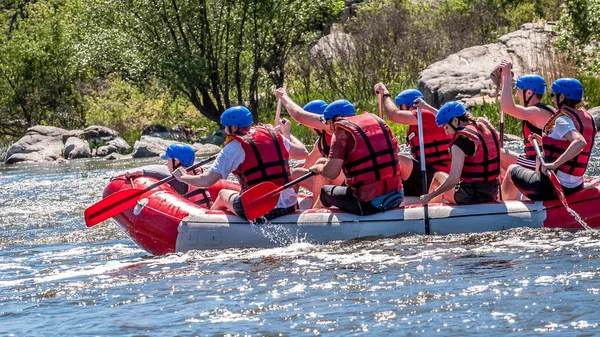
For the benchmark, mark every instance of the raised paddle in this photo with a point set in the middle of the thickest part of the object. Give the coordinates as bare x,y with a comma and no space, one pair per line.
277,113
262,198
559,189
380,102
125,199
423,171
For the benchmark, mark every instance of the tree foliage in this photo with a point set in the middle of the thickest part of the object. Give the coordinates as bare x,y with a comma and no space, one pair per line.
38,71
580,33
217,53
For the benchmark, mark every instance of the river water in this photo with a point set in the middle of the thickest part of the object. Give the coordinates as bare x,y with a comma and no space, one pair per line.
59,278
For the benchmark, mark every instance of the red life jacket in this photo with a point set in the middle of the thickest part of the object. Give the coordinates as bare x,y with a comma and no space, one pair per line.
484,164
529,128
266,157
371,168
435,142
553,148
324,143
198,196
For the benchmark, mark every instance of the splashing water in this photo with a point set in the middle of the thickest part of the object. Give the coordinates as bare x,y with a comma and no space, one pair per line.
279,234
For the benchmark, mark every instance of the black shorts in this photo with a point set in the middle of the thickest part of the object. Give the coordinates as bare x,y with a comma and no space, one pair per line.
476,192
413,185
276,212
535,185
343,198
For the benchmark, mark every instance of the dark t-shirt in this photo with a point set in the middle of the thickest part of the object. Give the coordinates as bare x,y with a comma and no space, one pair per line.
342,143
466,145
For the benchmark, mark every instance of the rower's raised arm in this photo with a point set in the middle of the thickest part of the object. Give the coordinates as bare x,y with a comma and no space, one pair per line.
297,113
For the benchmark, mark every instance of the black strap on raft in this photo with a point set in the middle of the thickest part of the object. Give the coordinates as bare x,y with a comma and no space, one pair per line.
205,200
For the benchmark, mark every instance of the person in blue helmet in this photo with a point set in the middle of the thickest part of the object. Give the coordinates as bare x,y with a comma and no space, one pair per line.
254,154
363,147
320,150
475,165
178,155
531,110
311,115
403,110
567,141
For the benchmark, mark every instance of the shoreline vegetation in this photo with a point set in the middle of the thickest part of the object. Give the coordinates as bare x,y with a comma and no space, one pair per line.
77,63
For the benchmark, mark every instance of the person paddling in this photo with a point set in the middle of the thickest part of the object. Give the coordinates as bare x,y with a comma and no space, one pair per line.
183,155
254,154
403,110
533,113
567,140
311,115
364,148
475,164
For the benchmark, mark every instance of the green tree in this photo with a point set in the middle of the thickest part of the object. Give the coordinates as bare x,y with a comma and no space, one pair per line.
579,36
217,53
38,72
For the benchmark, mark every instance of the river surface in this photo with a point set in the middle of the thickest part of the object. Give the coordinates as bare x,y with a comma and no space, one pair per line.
59,278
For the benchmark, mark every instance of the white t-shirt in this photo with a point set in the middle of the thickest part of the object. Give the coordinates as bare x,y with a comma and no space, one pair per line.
233,155
562,125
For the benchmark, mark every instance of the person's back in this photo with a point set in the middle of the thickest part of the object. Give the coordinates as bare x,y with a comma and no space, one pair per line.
475,166
364,148
371,167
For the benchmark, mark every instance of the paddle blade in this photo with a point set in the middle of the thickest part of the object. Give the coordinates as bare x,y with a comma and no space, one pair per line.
260,199
558,188
112,205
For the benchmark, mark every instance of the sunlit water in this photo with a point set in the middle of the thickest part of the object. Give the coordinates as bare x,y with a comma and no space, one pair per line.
59,278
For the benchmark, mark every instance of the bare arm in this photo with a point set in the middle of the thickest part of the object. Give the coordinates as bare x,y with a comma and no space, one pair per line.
532,114
330,168
297,113
203,180
312,157
392,112
578,143
297,148
420,103
458,162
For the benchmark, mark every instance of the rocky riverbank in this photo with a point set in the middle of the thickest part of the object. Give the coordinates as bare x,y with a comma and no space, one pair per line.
47,143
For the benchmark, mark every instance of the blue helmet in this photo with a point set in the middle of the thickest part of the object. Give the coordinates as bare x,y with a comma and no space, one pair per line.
182,152
535,83
569,87
341,107
317,106
408,97
448,111
238,116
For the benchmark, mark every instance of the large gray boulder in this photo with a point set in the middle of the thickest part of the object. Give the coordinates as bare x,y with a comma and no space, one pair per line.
48,131
77,148
117,145
97,134
465,75
35,147
595,112
215,138
179,133
154,146
203,150
149,146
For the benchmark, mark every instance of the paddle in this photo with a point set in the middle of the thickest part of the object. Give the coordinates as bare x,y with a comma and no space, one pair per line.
380,99
423,171
277,113
558,188
125,199
262,198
